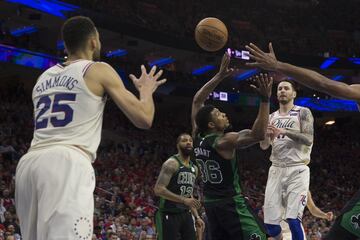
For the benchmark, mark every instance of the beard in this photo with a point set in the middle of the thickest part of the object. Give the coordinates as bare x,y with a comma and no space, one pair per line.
284,101
186,151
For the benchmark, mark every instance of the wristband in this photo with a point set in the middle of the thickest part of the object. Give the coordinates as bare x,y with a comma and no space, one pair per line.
264,99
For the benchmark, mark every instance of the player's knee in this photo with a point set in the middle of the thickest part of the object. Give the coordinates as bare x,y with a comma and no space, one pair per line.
296,229
273,230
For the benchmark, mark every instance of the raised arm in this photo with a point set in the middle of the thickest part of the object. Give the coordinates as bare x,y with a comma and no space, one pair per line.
303,76
140,111
254,135
204,92
168,169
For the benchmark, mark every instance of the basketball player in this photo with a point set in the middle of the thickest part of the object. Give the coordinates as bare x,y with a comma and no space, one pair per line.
347,225
55,179
290,134
228,213
175,186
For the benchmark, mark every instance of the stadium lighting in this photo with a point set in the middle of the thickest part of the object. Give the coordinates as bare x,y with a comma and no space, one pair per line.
331,122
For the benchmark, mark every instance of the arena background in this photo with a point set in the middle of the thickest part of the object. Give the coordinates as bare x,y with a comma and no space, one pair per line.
321,35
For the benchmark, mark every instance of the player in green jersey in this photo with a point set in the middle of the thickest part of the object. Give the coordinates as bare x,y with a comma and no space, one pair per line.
228,213
175,186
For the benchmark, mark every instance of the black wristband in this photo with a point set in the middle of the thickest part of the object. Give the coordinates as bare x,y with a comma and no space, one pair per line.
264,99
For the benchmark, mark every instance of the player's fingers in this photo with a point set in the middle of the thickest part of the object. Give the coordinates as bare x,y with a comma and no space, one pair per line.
143,70
158,74
249,48
254,53
228,58
133,78
152,71
272,128
257,48
223,61
271,49
229,72
161,82
225,57
266,80
271,81
226,61
262,80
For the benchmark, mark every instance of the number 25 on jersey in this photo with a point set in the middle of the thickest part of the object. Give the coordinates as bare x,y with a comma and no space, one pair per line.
45,103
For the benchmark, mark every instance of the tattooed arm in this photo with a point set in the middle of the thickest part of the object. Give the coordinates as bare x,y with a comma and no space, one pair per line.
306,134
168,169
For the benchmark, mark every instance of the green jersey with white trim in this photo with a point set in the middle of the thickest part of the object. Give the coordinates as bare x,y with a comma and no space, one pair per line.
220,176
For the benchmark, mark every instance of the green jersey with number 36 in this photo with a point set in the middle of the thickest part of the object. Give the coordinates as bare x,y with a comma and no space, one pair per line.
220,176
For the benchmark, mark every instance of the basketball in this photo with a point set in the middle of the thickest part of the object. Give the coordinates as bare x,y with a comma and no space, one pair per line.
211,34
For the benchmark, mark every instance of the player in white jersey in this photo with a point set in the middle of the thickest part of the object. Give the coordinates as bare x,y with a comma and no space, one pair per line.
55,179
290,133
347,224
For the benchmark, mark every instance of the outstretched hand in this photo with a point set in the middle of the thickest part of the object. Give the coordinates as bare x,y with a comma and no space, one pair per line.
224,70
148,81
263,60
263,85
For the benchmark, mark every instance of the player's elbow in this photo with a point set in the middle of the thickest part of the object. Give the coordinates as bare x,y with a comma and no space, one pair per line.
197,101
144,123
258,136
158,190
309,141
264,145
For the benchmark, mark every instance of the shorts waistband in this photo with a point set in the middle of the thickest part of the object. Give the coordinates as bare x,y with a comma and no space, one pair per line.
76,148
285,165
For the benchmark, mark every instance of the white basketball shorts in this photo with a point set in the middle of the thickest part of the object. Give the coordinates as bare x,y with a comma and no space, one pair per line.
54,194
286,193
